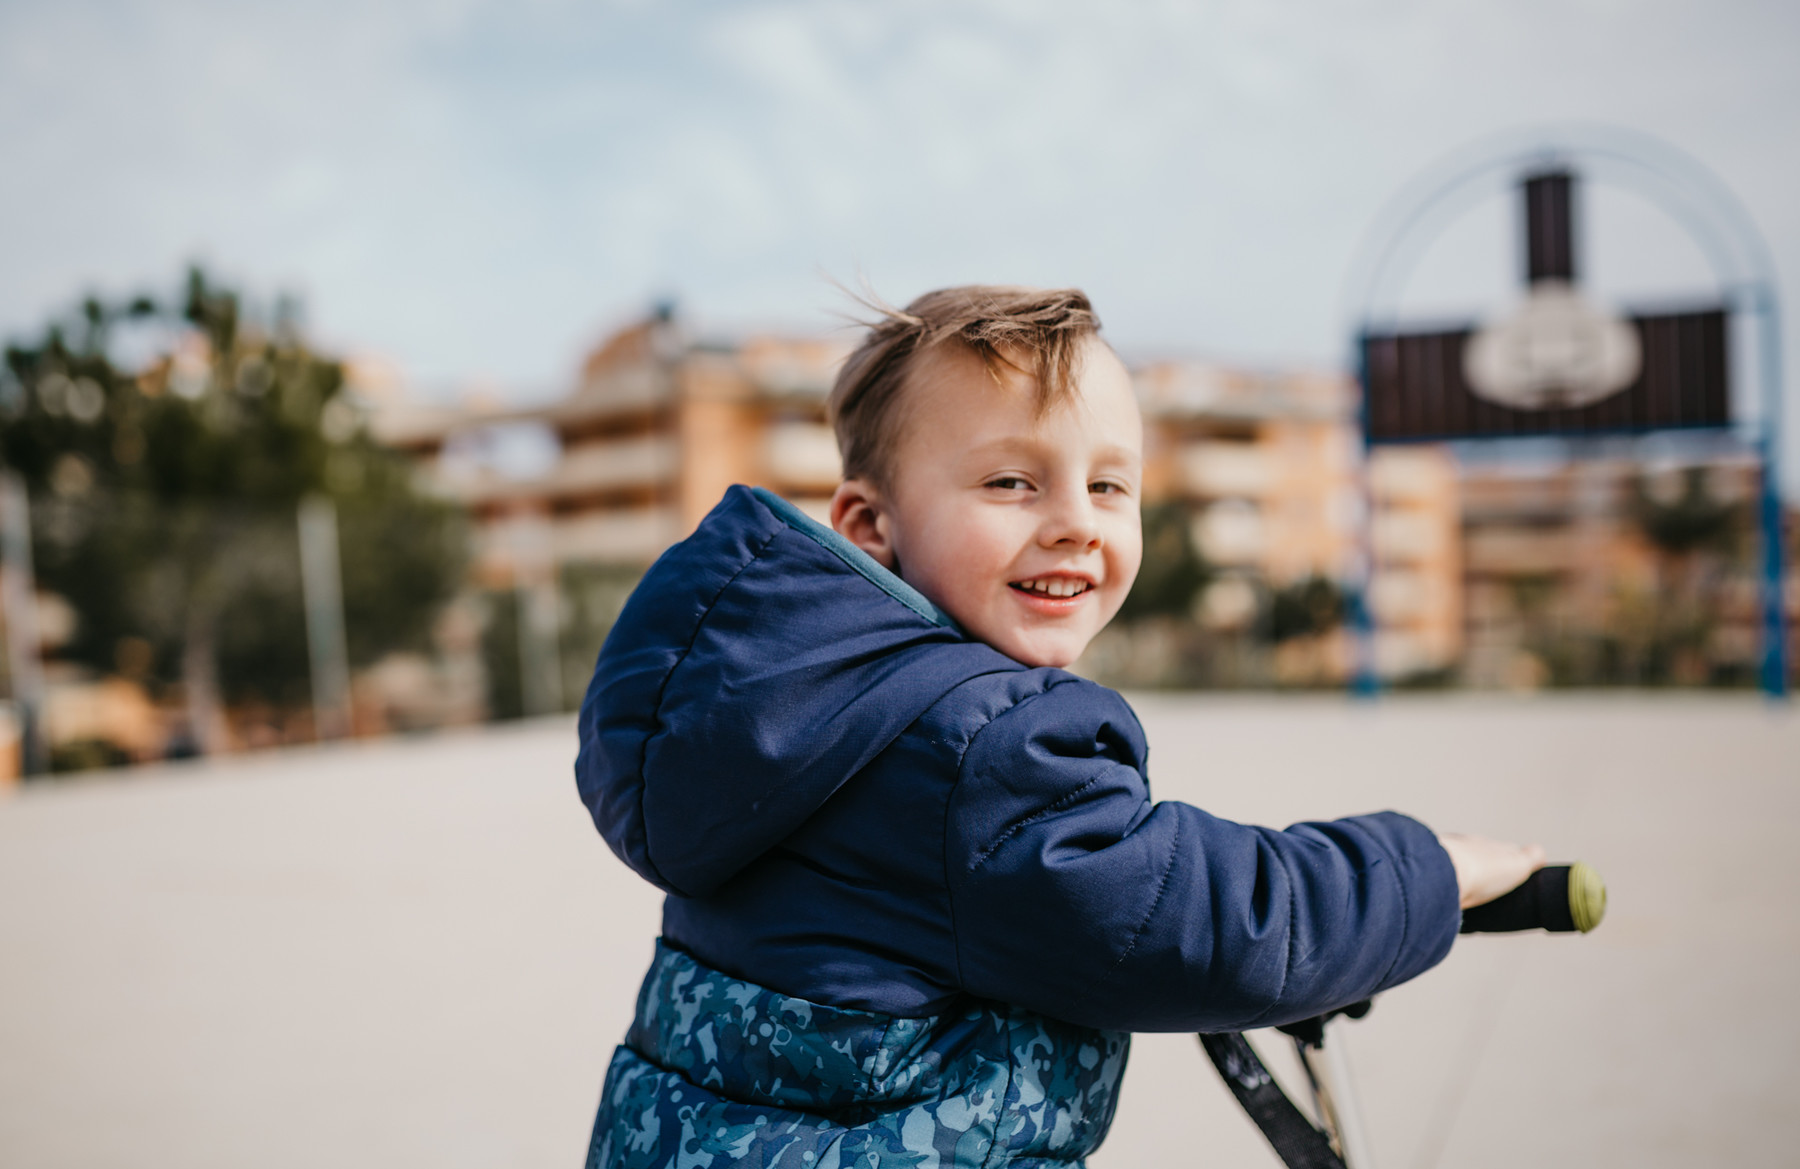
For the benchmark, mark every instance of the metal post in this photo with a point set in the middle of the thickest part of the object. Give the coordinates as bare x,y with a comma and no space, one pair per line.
1366,682
1334,1095
321,586
540,654
1774,674
18,600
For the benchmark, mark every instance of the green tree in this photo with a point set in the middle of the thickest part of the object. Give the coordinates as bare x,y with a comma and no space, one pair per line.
1305,608
1172,573
164,498
1689,520
1701,541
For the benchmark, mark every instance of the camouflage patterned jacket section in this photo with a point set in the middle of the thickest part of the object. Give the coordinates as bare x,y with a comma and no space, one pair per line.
718,1071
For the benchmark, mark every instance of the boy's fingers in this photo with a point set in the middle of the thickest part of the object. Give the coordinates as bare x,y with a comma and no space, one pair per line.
1486,869
1530,858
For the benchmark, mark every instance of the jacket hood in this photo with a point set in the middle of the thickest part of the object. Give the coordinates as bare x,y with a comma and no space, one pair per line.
759,664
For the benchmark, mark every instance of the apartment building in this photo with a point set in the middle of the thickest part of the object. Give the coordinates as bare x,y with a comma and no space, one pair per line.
1565,582
659,424
1269,465
657,427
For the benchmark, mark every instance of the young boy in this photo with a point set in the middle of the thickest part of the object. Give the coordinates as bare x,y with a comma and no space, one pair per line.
918,894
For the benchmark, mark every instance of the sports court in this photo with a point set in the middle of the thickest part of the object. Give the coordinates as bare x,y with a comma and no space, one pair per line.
418,952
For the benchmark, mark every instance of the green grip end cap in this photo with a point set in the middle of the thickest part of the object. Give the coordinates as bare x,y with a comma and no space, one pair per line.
1587,897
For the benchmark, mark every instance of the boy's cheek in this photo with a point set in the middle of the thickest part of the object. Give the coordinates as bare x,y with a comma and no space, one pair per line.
1126,565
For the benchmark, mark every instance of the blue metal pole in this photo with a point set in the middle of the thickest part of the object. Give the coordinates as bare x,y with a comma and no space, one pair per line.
1774,674
1366,683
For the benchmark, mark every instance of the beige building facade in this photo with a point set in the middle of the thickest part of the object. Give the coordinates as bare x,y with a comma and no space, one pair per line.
1270,467
656,429
1566,581
1465,564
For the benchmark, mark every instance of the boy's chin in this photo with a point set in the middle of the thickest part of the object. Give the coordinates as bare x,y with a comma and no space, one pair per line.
1057,652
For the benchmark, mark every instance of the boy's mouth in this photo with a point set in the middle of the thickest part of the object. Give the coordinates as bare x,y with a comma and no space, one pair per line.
1058,587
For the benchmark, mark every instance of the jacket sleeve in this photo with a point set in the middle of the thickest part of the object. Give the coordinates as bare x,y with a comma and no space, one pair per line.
1073,895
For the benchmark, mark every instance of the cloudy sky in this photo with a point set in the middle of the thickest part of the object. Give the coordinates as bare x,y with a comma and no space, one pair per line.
480,190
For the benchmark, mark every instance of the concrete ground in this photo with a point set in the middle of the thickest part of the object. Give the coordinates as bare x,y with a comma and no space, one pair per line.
418,952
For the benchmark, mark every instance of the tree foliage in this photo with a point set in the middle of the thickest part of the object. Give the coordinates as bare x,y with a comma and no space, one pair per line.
164,497
1172,573
1691,520
1305,608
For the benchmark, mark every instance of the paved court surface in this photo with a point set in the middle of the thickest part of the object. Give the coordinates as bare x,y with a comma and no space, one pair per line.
418,952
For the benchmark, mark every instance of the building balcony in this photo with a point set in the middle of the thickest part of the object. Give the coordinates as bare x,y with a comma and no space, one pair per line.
1521,551
1421,474
802,455
1403,597
1409,535
591,467
623,536
1227,469
1231,533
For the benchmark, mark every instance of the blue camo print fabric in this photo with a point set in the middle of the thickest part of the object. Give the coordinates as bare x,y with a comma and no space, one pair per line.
717,1071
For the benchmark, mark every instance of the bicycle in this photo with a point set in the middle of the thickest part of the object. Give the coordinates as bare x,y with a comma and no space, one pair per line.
1557,899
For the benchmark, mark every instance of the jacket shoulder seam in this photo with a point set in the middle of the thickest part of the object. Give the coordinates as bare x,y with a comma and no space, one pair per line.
1162,887
1287,959
969,743
962,757
1049,809
1019,826
1405,921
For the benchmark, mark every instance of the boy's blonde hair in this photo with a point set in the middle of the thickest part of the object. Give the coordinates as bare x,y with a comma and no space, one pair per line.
1033,330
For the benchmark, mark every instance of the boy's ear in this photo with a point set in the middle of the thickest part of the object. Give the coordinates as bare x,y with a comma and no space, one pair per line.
857,514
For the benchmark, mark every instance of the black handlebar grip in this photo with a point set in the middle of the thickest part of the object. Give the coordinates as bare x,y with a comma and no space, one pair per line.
1558,898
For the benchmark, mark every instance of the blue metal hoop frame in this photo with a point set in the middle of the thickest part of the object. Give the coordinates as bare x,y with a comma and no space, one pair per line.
1684,189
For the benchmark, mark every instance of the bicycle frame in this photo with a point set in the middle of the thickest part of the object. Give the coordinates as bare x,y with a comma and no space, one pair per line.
1558,899
1338,1112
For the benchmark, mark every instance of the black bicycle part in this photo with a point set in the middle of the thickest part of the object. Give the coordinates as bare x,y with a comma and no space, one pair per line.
1541,903
1296,1141
1312,1031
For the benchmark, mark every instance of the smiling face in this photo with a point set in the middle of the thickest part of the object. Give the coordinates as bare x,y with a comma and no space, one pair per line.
1021,526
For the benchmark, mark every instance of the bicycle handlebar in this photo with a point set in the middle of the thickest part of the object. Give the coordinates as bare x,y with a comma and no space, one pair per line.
1558,898
1562,899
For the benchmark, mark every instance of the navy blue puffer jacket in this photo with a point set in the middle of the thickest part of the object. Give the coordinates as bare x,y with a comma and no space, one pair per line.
850,801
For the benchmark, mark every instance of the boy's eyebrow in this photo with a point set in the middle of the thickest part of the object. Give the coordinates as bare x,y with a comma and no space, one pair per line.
1012,443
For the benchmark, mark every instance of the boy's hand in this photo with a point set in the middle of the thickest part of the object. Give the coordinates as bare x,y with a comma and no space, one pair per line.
1487,868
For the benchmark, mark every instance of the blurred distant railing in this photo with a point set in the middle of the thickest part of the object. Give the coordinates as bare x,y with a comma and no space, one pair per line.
138,629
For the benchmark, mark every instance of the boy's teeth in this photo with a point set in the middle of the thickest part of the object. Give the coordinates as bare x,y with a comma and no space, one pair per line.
1054,587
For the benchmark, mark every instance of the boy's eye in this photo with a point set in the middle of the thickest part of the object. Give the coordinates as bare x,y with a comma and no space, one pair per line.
1105,487
1009,483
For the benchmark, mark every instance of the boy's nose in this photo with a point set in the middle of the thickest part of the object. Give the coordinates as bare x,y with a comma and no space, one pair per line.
1070,521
